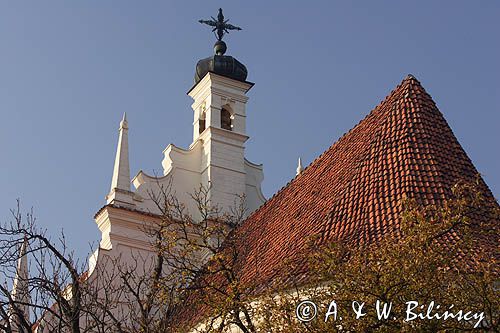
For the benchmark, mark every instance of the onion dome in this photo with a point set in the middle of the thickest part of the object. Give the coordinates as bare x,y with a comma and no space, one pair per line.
221,64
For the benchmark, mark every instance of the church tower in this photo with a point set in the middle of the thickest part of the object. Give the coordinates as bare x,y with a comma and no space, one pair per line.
216,157
219,125
214,160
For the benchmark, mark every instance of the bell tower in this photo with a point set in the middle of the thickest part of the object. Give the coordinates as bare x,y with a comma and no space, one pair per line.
219,123
219,102
219,126
216,157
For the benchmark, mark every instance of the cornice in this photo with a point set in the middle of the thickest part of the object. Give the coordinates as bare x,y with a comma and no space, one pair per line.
228,82
112,208
224,133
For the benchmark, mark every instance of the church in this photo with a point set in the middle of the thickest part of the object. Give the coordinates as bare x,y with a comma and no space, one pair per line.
403,148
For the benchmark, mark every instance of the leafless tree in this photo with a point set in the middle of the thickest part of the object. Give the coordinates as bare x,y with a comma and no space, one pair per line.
55,287
64,298
139,294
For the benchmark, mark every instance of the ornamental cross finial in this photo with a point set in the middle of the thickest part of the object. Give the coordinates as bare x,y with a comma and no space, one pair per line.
220,25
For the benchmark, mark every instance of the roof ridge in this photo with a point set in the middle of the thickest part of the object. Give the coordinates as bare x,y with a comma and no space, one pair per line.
408,78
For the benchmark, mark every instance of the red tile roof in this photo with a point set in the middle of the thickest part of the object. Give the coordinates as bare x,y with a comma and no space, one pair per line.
355,190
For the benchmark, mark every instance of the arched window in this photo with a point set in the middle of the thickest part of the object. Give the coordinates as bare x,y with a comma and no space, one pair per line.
201,123
225,120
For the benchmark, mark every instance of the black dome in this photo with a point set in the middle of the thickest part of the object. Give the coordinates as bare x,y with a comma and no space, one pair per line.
220,64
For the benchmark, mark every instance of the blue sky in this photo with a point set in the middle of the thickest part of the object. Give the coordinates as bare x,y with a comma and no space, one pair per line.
70,69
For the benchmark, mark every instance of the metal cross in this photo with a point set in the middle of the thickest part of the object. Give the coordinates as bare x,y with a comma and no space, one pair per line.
220,25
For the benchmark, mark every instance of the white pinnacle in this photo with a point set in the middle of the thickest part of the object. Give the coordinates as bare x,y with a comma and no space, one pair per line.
121,172
300,168
20,289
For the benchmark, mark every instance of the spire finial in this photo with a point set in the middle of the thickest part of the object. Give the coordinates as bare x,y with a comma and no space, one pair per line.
221,27
300,168
124,123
